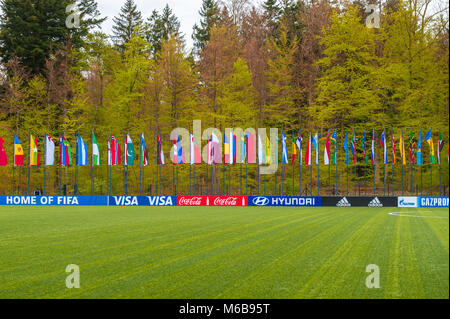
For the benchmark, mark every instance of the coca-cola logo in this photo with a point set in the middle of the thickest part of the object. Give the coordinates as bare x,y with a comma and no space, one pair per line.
190,201
225,201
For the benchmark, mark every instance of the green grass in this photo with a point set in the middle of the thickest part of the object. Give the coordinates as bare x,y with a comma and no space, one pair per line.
223,252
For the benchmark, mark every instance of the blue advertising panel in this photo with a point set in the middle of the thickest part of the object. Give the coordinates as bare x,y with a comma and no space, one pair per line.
54,200
433,201
284,201
143,201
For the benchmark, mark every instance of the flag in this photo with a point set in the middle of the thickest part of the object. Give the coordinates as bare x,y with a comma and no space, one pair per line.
268,154
315,143
251,151
109,154
195,152
82,152
34,152
326,152
334,140
402,149
143,153
3,156
363,143
129,151
440,147
180,155
209,148
161,159
215,153
226,152
353,147
383,145
284,151
232,146
65,152
95,152
419,159
394,159
299,145
243,148
429,140
346,148
49,151
294,148
261,159
115,152
308,151
372,152
18,152
412,144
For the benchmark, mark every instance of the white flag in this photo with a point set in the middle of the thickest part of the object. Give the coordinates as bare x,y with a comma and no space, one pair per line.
260,151
109,153
49,151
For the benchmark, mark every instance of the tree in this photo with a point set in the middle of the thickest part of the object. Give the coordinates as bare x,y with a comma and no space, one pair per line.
89,15
216,63
271,12
209,17
29,28
238,96
126,23
282,108
159,27
178,82
347,89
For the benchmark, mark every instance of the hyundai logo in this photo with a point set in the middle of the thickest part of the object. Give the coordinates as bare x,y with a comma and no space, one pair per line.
260,201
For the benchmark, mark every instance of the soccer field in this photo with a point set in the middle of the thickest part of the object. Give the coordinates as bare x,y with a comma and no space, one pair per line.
183,252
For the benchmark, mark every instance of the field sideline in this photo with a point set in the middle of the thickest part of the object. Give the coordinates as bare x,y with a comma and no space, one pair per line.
184,252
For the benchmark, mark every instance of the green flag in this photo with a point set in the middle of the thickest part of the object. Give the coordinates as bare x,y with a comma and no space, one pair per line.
95,152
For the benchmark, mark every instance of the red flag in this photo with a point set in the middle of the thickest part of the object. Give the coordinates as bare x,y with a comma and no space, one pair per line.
3,156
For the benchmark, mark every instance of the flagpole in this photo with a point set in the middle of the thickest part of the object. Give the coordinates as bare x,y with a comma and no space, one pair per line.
75,191
329,165
14,168
403,156
229,178
246,177
240,177
337,172
190,179
194,181
92,167
354,160
293,174
439,150
29,161
60,165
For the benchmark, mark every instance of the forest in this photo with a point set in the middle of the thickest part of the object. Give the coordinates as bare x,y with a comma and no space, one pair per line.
314,66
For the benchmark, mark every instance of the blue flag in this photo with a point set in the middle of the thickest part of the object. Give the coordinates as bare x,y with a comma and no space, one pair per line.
419,159
284,149
82,152
346,148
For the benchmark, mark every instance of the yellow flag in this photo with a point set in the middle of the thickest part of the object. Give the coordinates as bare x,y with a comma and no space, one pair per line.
402,150
267,150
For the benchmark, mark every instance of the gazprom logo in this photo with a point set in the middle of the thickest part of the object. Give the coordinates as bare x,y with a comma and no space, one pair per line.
260,201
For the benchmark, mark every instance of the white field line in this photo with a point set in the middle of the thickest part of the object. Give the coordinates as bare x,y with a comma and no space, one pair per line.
405,214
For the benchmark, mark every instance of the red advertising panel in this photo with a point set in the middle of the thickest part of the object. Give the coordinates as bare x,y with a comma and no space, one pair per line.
212,201
191,200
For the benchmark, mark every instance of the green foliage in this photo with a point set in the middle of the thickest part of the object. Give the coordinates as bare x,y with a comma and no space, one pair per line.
160,26
126,23
209,17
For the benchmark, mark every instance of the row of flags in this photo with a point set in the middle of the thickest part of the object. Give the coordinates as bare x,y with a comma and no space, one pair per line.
246,142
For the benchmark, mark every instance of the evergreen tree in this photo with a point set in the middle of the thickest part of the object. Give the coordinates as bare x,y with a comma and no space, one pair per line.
126,23
29,28
271,12
210,16
160,26
89,15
